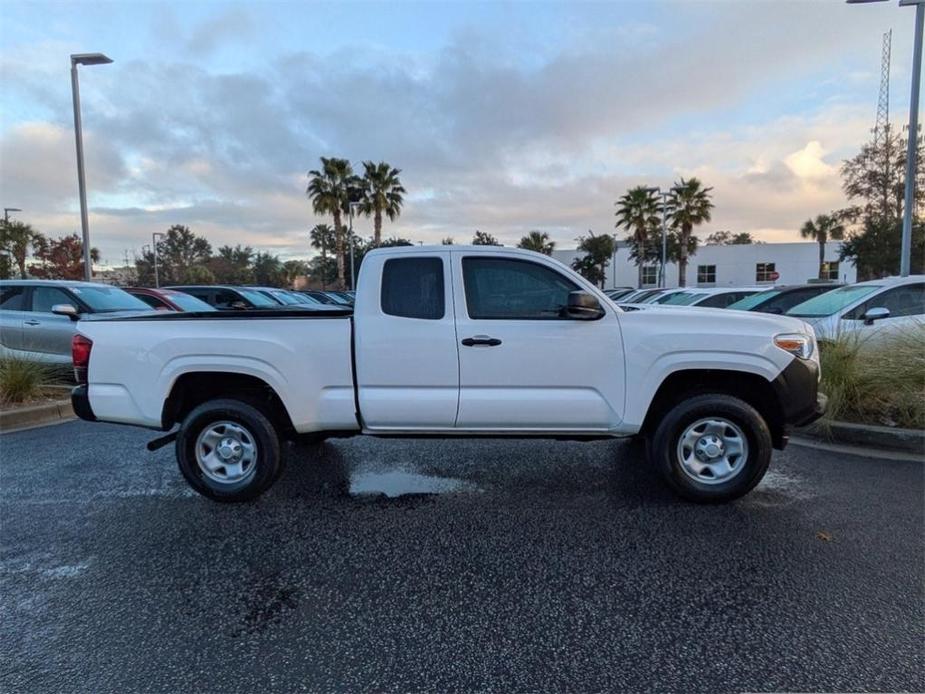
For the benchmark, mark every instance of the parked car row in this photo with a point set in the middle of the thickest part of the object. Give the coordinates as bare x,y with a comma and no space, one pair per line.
875,307
37,317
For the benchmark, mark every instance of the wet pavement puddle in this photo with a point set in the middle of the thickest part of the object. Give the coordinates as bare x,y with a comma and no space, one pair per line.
400,483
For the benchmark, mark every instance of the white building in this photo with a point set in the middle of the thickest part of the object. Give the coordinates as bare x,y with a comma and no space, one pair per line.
744,265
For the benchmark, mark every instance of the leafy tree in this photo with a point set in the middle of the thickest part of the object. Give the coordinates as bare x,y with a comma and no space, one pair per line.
323,270
821,229
199,274
728,238
637,213
178,251
689,205
233,265
268,270
538,241
382,194
448,241
16,239
62,258
483,238
6,266
874,250
875,178
598,251
331,189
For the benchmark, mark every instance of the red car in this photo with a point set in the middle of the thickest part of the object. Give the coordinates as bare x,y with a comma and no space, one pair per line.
169,299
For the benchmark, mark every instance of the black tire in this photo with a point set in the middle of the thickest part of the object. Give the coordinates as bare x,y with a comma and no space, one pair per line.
264,468
664,442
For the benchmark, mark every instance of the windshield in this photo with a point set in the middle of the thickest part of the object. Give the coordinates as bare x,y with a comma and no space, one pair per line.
832,302
258,299
285,298
682,299
749,302
188,302
662,298
106,299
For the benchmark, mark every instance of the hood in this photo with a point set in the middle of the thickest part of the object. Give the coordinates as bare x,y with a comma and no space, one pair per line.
720,317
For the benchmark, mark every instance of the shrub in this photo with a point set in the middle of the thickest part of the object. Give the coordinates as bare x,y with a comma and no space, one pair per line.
21,379
878,381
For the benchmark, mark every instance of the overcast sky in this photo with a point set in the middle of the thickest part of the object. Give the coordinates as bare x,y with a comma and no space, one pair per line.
502,117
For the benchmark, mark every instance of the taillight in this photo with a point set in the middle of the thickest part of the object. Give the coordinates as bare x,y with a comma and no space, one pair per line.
80,355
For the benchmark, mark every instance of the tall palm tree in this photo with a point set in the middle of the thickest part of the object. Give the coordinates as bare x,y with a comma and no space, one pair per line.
330,190
688,206
637,212
382,194
17,238
538,241
821,229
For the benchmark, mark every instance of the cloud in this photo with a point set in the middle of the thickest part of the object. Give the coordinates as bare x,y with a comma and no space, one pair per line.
485,138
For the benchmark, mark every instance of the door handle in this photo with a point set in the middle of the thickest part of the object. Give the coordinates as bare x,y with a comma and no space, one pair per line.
481,340
33,322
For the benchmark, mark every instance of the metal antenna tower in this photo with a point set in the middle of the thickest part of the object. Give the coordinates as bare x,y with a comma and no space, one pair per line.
883,103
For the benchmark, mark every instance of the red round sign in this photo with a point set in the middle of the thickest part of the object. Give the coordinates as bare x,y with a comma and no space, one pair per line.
775,276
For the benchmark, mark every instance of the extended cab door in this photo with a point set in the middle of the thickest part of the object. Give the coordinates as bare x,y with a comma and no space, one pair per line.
523,365
406,355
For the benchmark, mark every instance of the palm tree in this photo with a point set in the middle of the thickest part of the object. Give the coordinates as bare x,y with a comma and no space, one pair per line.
330,190
688,206
538,241
637,212
382,193
16,238
821,229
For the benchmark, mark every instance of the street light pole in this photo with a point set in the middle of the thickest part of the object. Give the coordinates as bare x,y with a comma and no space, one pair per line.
661,279
905,257
6,213
157,282
83,59
353,282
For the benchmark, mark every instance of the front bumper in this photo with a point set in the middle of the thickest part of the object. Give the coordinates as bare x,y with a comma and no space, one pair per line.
797,391
80,401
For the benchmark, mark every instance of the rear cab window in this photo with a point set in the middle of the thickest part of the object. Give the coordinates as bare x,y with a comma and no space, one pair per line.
413,288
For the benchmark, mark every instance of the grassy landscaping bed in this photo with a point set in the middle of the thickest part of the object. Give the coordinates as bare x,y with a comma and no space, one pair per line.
878,382
24,383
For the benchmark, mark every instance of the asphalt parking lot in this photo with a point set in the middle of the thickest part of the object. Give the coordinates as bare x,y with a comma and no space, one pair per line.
507,566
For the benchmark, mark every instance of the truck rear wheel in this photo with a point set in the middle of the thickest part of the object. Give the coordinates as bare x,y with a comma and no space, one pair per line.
229,451
711,448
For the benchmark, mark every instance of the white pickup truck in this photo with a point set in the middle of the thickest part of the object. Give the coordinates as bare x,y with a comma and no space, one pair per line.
456,341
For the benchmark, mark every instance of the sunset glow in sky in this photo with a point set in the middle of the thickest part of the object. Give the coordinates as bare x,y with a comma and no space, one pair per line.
503,117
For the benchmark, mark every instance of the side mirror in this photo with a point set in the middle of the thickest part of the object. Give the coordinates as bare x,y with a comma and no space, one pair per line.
66,310
877,313
583,306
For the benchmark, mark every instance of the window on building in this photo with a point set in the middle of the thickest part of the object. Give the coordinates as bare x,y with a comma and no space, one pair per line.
649,274
830,270
499,288
706,274
764,272
413,288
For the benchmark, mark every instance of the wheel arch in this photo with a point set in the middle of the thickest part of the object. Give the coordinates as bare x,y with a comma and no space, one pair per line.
193,388
750,387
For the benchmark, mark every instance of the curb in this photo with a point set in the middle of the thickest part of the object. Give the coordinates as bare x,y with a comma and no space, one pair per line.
36,415
866,435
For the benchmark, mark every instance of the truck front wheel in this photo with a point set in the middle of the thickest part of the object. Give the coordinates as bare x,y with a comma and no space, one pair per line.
228,451
711,448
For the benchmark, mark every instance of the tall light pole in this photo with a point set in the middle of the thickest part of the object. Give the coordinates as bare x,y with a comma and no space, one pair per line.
157,281
6,213
664,195
353,282
905,256
83,59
